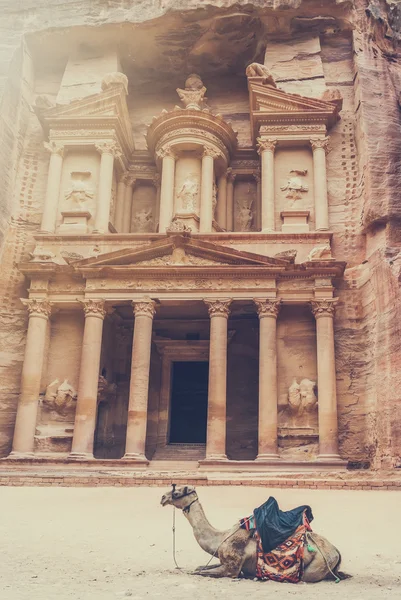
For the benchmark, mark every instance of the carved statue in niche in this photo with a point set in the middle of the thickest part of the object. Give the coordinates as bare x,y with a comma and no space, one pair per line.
295,186
80,190
143,221
302,397
106,391
244,212
193,96
188,195
60,397
178,227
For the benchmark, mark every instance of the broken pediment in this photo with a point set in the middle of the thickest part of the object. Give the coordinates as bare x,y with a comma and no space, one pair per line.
273,108
176,251
106,110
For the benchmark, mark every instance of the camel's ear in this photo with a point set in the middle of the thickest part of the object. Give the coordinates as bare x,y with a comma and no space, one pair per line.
188,489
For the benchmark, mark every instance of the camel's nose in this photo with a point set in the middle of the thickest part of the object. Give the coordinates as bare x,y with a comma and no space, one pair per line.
162,501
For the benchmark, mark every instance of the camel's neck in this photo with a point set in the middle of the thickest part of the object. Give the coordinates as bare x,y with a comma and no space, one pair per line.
207,536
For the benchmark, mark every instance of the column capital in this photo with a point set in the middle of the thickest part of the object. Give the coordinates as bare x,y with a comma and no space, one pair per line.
109,147
144,308
165,151
131,180
231,175
94,308
323,308
320,143
257,177
266,144
54,148
219,307
267,308
38,307
210,151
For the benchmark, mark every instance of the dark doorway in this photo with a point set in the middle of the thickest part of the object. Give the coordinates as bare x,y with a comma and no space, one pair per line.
189,403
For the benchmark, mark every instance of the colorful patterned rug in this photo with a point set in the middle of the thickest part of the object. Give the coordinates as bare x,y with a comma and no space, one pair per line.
285,563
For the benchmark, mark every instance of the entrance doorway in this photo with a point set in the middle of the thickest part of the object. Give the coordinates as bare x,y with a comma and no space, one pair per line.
189,392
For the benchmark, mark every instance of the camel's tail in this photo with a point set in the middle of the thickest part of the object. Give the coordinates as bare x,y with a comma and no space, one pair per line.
340,574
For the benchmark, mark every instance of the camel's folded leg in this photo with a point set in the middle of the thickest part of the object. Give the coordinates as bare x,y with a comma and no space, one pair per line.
207,567
220,571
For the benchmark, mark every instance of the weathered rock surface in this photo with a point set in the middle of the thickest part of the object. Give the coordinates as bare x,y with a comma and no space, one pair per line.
309,47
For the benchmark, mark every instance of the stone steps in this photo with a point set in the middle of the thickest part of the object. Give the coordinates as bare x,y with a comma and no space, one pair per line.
180,452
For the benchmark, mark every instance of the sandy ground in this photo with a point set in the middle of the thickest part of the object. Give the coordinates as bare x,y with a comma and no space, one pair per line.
108,543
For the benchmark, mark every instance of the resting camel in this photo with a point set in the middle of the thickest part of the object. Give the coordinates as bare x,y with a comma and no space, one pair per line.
236,548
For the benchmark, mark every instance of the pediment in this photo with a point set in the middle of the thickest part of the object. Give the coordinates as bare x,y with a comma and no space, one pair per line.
106,110
178,251
270,105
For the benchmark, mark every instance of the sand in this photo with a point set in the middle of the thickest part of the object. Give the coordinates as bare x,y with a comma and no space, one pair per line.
108,543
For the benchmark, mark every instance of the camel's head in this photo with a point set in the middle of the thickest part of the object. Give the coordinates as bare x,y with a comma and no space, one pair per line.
181,496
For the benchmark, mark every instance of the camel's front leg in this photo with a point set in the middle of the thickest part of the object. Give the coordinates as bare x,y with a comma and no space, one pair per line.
207,567
220,571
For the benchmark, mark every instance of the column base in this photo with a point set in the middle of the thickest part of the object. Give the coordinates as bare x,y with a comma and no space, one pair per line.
81,456
268,231
330,457
266,457
136,458
99,231
14,455
214,459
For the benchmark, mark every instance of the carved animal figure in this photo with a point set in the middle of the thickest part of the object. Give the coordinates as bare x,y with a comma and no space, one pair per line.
320,252
258,70
60,397
236,548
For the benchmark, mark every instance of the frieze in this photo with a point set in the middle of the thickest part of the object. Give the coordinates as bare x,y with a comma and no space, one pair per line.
286,128
188,284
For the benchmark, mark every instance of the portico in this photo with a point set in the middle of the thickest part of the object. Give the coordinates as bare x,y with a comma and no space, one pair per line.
208,303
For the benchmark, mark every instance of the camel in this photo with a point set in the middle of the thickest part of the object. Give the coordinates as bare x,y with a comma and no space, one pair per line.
236,548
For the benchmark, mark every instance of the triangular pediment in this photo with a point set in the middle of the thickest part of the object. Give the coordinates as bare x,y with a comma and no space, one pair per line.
270,105
106,110
178,251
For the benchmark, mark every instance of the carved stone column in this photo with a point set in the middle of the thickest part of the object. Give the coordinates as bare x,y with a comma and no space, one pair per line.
266,150
219,311
206,195
323,311
268,390
25,424
86,411
108,150
319,148
139,385
167,188
258,209
222,201
129,189
50,208
230,199
119,213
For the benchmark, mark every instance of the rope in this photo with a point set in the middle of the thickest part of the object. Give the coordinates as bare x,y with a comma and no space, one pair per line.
176,564
336,578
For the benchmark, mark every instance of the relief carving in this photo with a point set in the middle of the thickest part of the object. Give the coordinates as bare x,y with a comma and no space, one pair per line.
257,70
106,392
295,186
320,253
61,398
143,221
80,190
41,255
188,195
302,397
193,96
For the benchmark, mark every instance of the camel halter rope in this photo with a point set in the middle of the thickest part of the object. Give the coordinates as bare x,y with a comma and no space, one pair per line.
186,509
